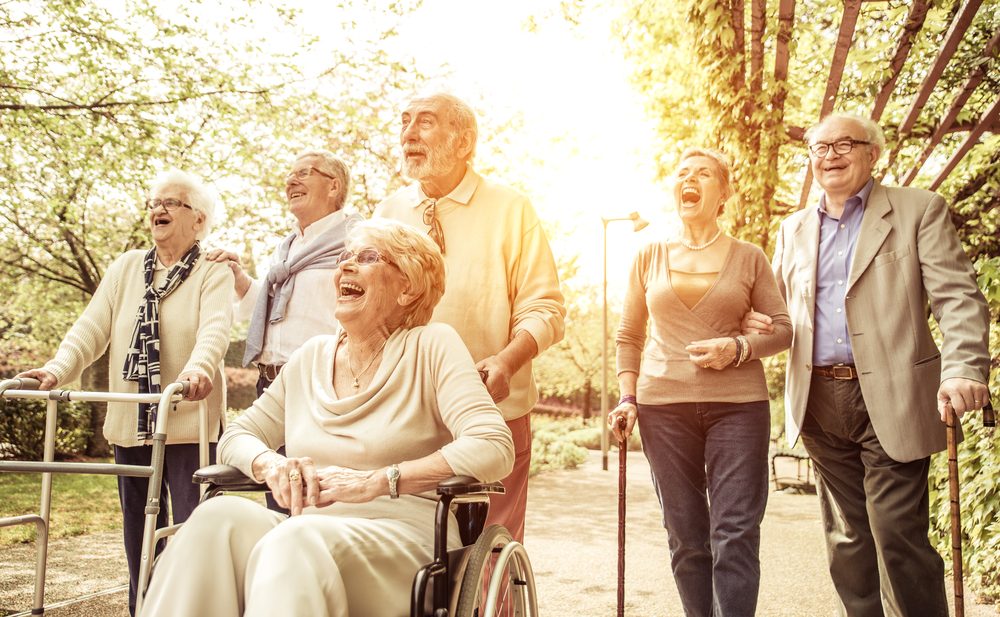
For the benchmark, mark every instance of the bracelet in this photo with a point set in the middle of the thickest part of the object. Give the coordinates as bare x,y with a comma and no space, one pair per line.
743,350
628,398
739,352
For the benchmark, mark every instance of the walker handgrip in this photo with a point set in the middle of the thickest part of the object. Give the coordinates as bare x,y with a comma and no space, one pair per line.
28,383
989,416
185,387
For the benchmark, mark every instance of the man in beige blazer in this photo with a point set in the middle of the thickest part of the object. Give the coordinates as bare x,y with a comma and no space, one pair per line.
859,272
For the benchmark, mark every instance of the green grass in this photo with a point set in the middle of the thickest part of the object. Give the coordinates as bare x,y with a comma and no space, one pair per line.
81,504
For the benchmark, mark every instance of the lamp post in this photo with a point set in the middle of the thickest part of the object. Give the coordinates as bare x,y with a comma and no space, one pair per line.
637,223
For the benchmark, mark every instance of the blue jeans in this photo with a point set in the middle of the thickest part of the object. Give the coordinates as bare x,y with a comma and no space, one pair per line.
709,468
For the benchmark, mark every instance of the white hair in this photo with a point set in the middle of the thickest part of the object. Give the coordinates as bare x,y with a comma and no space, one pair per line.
873,132
195,193
335,166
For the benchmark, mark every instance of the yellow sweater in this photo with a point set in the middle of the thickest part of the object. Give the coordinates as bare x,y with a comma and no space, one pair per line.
194,335
666,375
501,276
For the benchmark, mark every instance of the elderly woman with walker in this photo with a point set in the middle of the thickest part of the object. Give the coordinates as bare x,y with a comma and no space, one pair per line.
162,315
696,387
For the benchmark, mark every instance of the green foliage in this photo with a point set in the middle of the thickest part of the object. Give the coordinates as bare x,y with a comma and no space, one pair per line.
81,504
95,99
22,429
549,452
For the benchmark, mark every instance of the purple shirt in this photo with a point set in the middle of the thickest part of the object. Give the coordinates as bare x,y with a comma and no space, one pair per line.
837,240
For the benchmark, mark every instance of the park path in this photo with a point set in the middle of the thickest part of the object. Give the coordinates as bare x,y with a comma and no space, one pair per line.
571,537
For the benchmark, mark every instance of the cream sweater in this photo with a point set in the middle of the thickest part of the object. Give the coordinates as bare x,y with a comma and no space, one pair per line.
501,276
666,375
424,396
194,335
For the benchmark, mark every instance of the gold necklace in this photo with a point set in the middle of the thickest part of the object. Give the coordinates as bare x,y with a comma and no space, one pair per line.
700,247
354,376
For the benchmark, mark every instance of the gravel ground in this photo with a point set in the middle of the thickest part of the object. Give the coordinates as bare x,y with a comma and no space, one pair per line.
571,537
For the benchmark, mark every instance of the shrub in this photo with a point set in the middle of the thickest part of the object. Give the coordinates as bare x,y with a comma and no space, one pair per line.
22,429
550,451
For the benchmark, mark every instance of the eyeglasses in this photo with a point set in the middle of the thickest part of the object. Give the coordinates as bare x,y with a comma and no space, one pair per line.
168,204
305,172
364,256
436,232
842,146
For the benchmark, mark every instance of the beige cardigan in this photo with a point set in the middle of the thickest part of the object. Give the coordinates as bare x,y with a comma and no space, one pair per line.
501,275
666,375
194,335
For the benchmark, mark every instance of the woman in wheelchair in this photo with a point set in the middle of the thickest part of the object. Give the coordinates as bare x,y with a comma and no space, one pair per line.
371,419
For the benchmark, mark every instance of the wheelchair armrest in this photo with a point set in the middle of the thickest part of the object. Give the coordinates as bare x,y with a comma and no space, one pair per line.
226,477
465,485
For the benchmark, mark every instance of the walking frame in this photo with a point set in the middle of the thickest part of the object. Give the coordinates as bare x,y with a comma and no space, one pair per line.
26,388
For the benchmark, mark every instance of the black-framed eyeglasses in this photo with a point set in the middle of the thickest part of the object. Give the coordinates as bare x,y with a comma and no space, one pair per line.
841,146
364,256
305,172
168,204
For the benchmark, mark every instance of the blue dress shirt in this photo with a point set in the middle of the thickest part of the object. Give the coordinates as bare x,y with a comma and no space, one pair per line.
837,240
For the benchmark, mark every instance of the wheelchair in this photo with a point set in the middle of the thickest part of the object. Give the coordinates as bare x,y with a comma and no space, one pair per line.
489,576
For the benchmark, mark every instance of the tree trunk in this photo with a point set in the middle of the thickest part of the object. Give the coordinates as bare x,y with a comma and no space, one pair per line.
95,379
588,391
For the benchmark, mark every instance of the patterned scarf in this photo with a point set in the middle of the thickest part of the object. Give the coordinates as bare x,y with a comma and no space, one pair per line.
142,362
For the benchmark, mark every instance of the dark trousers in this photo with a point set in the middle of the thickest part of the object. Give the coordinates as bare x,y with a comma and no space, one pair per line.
262,384
709,468
180,461
875,511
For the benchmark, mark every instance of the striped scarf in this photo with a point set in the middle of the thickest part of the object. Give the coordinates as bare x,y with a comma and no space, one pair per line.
142,362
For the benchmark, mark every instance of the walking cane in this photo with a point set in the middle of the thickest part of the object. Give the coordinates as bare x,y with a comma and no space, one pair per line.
622,458
989,420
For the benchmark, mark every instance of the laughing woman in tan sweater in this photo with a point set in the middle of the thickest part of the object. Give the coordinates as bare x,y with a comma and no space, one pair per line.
163,315
697,388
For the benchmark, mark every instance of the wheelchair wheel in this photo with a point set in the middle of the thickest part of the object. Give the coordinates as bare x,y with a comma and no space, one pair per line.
497,580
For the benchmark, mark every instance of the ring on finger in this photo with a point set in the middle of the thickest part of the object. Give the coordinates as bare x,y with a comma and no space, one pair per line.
294,477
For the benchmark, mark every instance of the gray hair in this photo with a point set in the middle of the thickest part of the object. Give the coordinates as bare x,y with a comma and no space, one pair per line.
873,132
195,193
332,164
723,164
459,116
416,256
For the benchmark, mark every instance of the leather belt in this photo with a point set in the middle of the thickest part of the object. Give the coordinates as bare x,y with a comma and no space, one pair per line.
844,372
269,371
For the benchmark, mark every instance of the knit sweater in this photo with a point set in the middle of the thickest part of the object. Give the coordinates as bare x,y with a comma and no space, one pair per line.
666,374
425,396
194,335
501,276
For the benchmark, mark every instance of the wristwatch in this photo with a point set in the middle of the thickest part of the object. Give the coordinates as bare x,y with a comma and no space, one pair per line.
392,473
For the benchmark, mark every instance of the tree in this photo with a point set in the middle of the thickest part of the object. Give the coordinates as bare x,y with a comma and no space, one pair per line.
94,100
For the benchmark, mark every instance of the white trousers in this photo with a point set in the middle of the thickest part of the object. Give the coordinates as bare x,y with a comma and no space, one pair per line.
234,557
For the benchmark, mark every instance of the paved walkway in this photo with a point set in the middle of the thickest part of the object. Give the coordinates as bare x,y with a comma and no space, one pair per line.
571,537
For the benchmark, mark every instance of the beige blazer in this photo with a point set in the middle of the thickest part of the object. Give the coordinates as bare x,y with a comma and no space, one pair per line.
908,259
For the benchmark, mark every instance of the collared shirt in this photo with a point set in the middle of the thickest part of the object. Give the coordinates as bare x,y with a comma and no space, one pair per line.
837,240
501,275
311,305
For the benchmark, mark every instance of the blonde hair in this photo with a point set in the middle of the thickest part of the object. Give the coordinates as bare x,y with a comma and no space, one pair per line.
416,256
195,193
723,164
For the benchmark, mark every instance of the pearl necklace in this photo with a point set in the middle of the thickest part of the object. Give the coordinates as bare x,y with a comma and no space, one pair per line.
354,376
701,247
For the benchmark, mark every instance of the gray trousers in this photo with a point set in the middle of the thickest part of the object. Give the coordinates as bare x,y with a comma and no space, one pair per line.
875,511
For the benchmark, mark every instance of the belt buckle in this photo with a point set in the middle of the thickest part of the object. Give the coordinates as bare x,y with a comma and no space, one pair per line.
269,371
842,372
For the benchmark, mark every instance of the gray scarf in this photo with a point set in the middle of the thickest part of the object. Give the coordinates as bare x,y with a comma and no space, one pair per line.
273,299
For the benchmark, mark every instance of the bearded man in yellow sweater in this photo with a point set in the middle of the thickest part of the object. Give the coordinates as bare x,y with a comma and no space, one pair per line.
502,289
